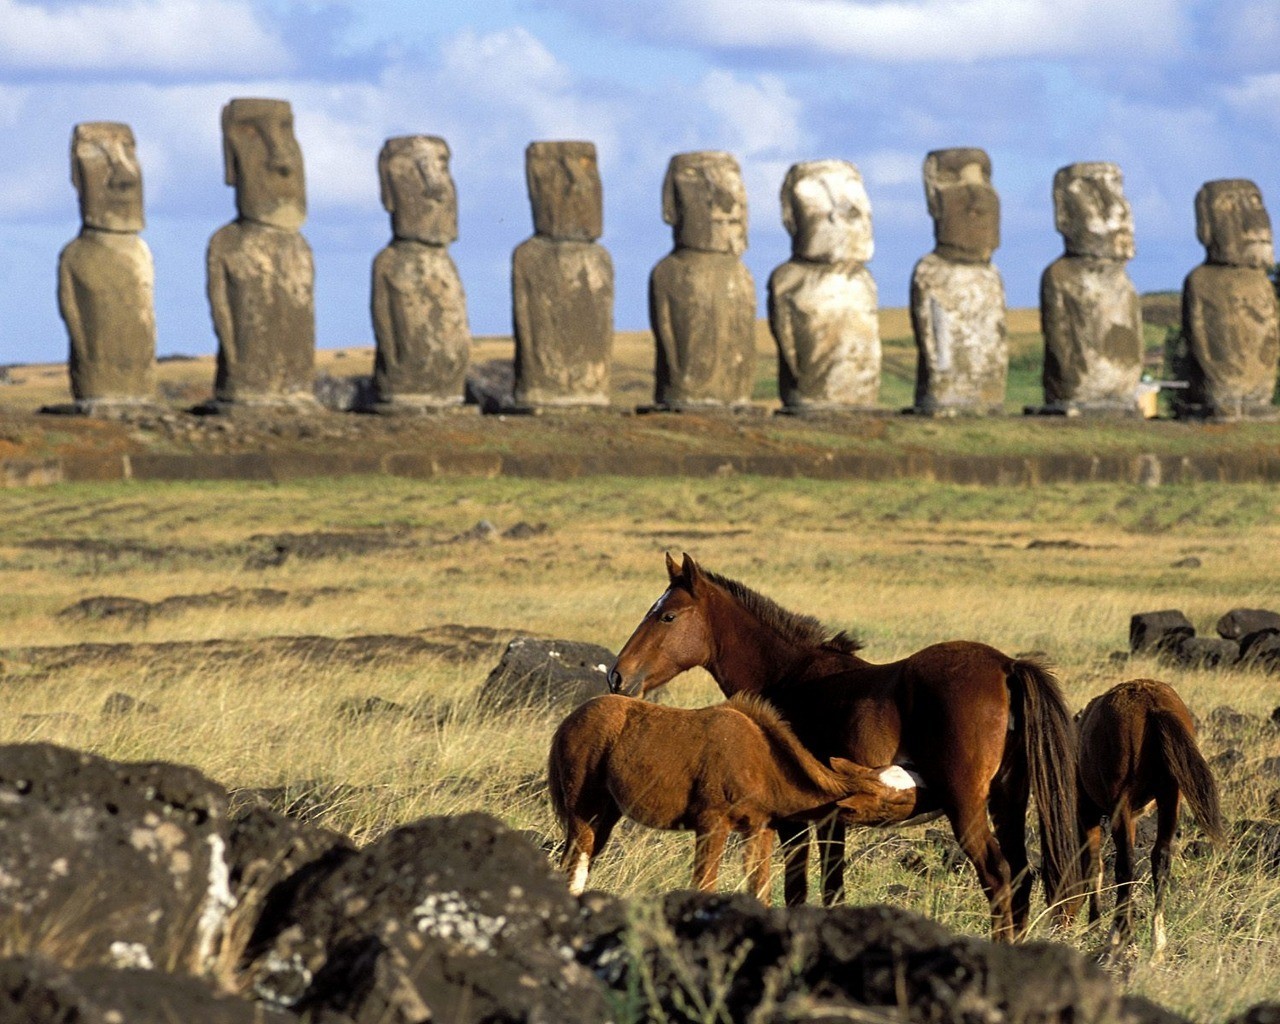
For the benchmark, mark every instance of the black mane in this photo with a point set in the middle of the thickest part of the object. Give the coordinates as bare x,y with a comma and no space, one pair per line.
800,629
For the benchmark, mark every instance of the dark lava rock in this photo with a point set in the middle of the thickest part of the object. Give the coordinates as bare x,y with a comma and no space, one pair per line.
1263,1013
1240,622
460,911
1261,650
1153,632
1190,562
491,385
1205,652
127,610
122,704
127,857
36,991
1257,842
545,673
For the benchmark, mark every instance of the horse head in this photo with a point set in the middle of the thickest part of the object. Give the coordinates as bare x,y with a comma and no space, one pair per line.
673,636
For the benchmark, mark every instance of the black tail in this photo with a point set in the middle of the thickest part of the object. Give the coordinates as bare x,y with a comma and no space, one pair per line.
1190,771
1050,739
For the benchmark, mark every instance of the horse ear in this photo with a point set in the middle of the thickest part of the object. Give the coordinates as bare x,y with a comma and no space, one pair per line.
673,570
690,571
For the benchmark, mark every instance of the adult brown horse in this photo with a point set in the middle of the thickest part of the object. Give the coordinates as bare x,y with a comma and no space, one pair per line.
1137,745
734,767
981,729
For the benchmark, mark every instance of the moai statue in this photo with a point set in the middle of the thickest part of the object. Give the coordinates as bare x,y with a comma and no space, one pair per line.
106,279
823,301
1089,310
957,297
261,274
1230,336
418,305
562,283
702,300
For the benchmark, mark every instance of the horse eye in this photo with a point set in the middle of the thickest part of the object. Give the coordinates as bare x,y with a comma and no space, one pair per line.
667,617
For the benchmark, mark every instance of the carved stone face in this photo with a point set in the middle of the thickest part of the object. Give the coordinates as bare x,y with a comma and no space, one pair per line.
1232,224
105,171
565,190
418,190
964,206
827,212
1091,211
705,201
264,162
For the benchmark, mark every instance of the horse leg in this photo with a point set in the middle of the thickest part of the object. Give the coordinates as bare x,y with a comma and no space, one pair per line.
831,860
1166,823
969,822
708,851
1008,805
1123,828
756,852
794,837
585,838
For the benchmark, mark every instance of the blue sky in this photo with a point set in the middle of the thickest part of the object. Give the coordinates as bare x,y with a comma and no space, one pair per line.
1175,91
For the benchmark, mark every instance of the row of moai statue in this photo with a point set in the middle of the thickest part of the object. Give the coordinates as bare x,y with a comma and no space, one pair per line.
822,303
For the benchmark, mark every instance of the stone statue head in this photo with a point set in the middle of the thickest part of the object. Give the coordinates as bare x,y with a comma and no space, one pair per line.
565,190
705,202
1091,212
264,162
964,207
1232,224
826,211
105,172
418,190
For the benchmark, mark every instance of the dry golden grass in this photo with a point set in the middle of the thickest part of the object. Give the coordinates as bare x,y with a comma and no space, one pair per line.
1057,570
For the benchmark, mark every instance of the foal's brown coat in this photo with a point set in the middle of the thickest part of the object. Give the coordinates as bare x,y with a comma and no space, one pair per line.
984,730
1137,745
730,767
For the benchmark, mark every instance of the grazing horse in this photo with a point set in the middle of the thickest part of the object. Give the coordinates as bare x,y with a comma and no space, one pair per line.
1137,745
981,729
731,767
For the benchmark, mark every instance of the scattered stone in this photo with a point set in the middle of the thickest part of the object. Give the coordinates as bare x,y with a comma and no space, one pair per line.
127,609
1065,545
1261,649
1205,652
123,704
364,708
491,386
1257,842
1241,622
345,394
482,531
1227,721
545,673
523,531
1263,1013
1153,632
1190,562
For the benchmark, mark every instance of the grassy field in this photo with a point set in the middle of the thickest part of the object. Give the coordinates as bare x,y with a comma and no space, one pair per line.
1053,570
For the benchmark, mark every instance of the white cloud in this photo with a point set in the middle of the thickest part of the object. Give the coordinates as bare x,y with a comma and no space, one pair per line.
150,36
758,116
913,30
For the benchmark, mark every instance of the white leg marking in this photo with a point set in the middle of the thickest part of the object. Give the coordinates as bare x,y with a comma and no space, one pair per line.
1158,937
578,880
897,777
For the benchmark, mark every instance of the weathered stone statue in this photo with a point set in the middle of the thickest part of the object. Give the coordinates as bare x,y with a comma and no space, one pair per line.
1230,333
823,301
957,297
106,279
261,274
418,305
562,282
702,300
1089,309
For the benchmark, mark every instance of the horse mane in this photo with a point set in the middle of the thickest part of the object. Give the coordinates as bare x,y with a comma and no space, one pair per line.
796,757
800,629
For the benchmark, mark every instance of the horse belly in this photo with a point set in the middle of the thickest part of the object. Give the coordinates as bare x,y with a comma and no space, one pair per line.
652,801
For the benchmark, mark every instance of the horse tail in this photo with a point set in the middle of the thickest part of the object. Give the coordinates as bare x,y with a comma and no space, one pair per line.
792,755
1049,739
556,775
580,743
1190,771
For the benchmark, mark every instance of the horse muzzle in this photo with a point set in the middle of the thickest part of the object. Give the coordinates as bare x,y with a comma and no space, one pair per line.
617,684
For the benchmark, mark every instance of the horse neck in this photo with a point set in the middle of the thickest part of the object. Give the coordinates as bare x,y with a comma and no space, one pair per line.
749,657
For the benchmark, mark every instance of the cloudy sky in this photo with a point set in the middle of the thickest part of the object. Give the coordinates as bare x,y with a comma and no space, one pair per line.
1175,91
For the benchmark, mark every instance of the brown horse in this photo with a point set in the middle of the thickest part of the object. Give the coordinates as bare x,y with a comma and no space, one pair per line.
982,730
1137,745
731,767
